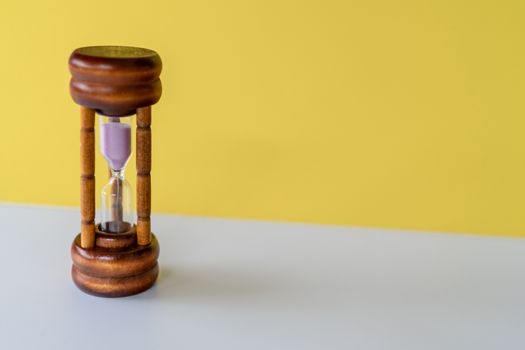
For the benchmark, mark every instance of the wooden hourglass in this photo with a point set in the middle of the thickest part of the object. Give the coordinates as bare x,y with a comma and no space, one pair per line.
115,257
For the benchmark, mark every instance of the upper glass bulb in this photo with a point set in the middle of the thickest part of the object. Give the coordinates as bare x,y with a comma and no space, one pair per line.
115,141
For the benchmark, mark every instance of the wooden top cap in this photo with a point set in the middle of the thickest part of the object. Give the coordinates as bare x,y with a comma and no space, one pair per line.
115,80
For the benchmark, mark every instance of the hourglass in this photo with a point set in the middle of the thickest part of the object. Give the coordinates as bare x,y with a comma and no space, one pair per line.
115,257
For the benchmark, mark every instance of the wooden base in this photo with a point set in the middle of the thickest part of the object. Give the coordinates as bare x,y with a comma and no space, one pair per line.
117,266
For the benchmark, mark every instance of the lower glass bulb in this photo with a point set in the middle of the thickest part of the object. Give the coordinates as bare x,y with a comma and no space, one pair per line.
116,199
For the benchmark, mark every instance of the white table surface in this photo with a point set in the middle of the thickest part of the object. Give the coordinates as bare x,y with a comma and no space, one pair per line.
228,284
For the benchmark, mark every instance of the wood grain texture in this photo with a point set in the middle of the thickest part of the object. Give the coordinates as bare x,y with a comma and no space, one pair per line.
143,175
115,80
87,177
125,269
114,287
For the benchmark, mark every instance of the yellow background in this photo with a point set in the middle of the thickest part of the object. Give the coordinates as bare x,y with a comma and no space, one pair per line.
403,114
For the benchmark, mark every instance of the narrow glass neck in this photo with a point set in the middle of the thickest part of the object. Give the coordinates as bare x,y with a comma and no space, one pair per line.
119,173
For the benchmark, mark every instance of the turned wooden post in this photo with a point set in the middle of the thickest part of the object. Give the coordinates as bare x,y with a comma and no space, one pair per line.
143,175
87,177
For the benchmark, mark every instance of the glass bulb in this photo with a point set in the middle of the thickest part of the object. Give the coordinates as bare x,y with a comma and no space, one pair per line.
116,197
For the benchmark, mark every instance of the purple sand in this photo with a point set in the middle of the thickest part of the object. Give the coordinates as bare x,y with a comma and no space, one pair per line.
115,144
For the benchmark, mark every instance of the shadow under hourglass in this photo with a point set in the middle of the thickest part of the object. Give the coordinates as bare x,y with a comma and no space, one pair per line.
209,283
